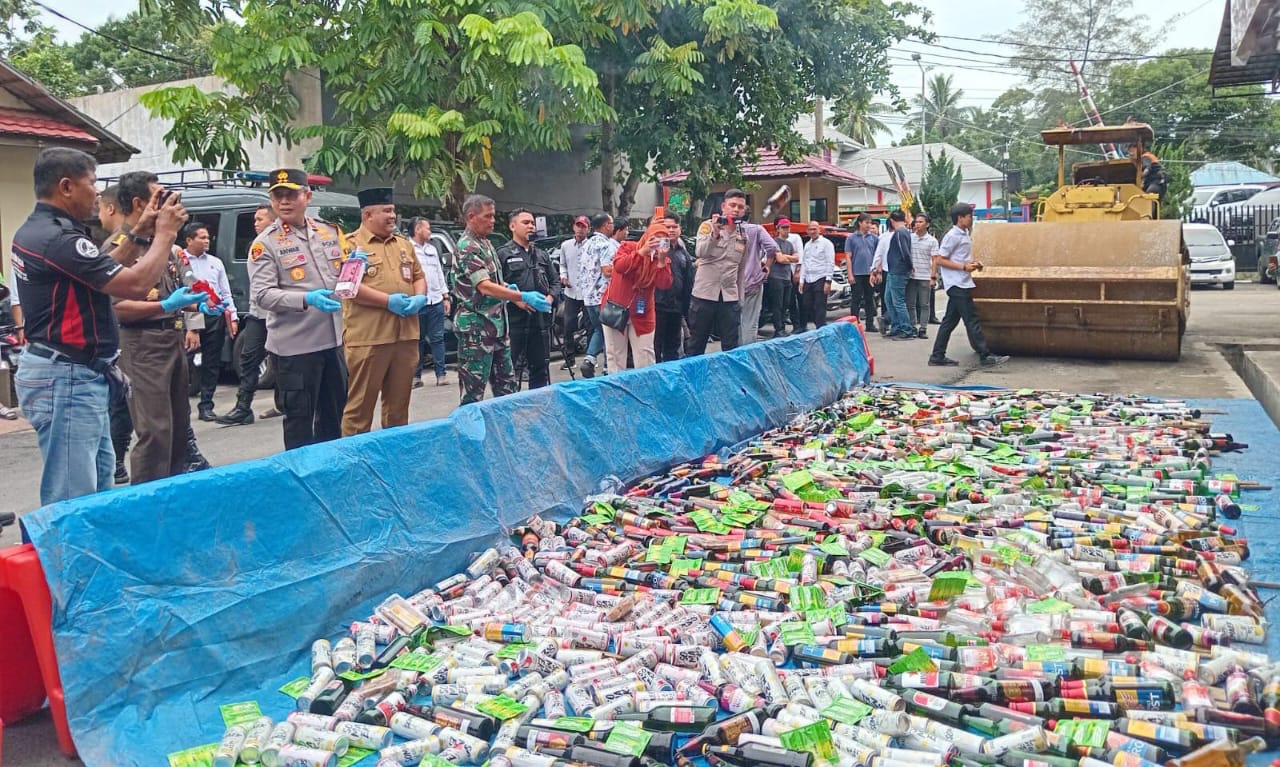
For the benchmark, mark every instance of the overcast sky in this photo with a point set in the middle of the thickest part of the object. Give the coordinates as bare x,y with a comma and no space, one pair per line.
1194,24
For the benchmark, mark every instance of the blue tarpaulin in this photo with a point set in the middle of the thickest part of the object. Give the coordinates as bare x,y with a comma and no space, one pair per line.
177,596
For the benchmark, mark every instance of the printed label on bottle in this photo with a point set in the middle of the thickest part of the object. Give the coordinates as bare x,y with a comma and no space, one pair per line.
931,702
682,715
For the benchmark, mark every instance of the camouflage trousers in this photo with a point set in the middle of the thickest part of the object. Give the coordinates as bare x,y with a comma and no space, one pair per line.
483,359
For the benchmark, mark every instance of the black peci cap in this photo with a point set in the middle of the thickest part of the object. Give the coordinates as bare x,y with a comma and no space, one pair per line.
378,195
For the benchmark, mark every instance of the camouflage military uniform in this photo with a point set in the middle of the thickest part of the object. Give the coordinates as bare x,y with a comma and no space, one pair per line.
484,346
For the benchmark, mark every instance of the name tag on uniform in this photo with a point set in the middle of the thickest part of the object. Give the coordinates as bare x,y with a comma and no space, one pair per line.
288,250
293,260
406,273
515,259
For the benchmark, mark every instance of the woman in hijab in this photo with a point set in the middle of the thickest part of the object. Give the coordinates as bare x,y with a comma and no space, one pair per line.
638,269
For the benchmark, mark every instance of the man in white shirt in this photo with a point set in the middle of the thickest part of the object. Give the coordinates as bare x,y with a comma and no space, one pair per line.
956,265
817,265
431,321
877,271
924,247
570,253
208,267
595,268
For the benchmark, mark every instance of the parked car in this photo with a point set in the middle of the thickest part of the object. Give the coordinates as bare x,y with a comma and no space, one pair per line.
1212,262
1207,199
1248,220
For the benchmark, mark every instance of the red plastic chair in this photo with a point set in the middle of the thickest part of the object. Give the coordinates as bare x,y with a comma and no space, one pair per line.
28,662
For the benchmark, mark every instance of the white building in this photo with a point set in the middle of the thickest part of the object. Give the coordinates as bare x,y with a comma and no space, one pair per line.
980,185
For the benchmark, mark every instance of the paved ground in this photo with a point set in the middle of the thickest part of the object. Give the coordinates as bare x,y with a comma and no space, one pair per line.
1248,316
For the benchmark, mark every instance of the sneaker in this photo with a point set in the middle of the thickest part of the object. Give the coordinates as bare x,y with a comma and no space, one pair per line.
942,362
122,474
442,381
588,368
921,332
417,383
991,360
871,327
8,413
935,321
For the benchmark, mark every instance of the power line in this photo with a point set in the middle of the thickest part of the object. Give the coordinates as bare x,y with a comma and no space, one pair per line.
110,38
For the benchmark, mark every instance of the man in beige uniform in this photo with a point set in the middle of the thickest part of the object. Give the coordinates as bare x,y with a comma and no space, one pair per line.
380,325
293,269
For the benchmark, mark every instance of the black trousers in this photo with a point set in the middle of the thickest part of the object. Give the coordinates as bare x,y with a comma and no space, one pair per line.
212,339
863,296
723,318
253,348
813,305
530,348
311,391
960,308
778,293
668,337
572,315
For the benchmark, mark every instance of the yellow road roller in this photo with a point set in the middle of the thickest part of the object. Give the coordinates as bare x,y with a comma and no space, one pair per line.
1097,274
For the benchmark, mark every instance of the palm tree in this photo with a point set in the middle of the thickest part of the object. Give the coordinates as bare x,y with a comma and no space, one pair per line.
862,124
943,115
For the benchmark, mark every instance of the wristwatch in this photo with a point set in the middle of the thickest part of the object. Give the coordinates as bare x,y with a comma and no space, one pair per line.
142,241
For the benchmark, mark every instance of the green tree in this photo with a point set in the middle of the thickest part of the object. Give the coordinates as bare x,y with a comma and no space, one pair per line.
940,190
1095,34
426,88
860,120
699,85
1177,195
943,115
44,59
103,63
1173,95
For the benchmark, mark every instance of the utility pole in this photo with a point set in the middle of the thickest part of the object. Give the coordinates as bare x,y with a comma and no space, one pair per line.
916,58
1091,111
1004,180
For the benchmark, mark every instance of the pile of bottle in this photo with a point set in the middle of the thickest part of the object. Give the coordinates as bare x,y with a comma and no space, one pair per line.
906,578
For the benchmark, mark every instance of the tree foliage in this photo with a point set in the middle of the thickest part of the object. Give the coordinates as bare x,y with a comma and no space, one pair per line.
124,53
860,120
943,115
940,190
1095,34
431,89
1177,195
700,85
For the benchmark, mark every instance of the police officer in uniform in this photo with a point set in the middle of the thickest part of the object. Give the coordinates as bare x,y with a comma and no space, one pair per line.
528,268
293,269
484,347
68,371
152,348
380,325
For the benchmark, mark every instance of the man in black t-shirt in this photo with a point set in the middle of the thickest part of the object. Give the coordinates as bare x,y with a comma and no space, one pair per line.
66,284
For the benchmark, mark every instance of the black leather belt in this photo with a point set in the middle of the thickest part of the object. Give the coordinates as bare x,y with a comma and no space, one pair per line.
54,355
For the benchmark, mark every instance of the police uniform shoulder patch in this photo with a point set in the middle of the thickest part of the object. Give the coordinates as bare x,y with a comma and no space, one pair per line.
86,248
256,251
